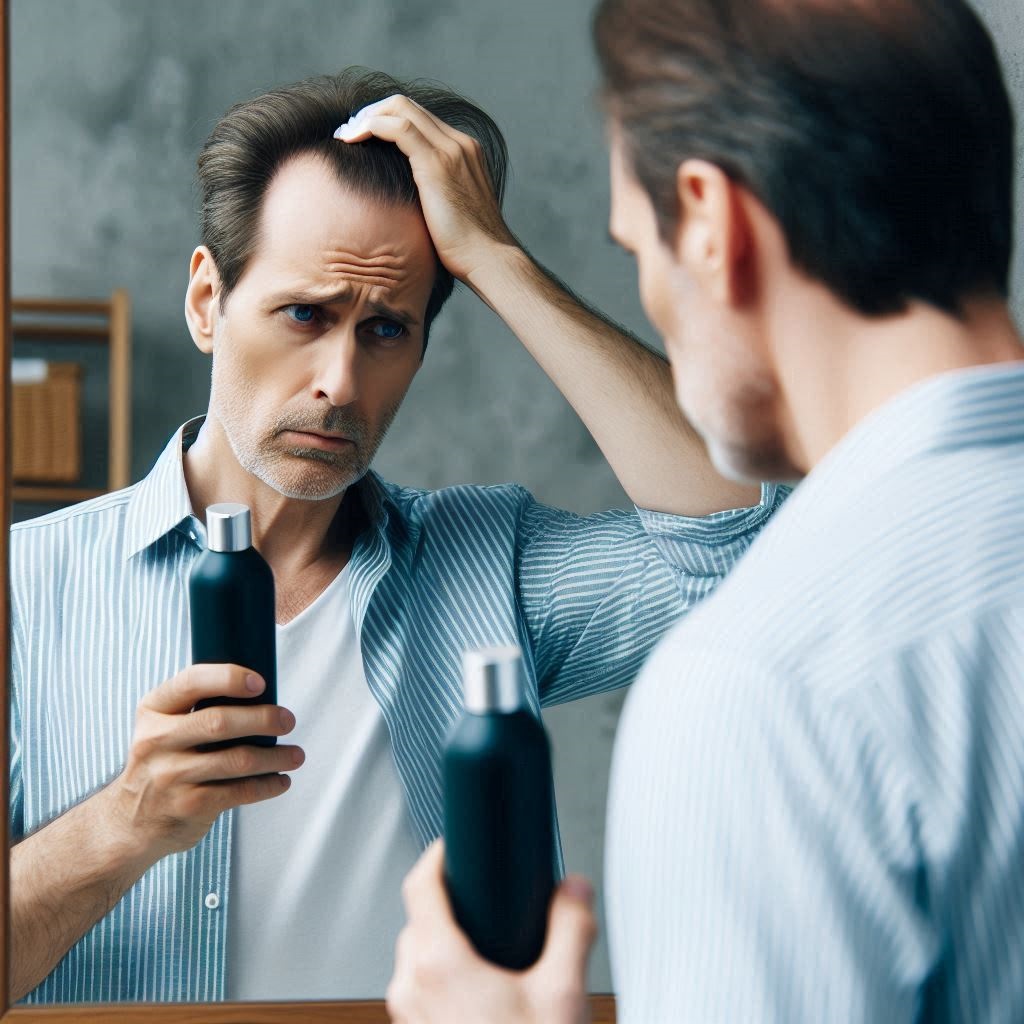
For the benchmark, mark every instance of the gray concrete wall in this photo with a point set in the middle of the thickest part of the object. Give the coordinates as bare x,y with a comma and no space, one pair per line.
111,100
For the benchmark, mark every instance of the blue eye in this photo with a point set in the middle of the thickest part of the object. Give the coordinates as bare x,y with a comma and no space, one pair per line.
301,314
386,330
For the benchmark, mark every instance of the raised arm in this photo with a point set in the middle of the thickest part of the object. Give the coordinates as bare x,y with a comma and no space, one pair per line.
621,390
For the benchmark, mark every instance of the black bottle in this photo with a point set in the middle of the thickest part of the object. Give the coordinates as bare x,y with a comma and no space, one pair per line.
231,602
498,813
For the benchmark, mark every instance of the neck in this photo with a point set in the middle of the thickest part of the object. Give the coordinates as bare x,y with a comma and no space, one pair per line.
290,533
835,367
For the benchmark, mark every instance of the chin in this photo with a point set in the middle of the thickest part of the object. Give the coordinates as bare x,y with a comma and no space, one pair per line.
305,478
752,463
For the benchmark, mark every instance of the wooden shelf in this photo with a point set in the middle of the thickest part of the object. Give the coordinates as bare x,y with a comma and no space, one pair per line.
76,320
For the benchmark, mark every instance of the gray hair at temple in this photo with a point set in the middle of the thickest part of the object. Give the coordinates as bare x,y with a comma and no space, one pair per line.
256,137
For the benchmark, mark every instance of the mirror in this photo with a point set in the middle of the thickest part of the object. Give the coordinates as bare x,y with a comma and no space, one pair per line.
109,105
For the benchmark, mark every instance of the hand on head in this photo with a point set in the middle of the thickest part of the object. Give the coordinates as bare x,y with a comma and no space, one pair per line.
440,978
456,194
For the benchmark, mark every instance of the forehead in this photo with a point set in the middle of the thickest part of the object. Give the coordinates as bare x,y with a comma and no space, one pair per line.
314,231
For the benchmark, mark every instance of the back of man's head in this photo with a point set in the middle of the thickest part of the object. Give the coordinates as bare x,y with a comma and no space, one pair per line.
879,133
254,139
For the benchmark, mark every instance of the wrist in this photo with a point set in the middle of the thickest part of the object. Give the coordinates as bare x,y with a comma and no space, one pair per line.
126,845
499,269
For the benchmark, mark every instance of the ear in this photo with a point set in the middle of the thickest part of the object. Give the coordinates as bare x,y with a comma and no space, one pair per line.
201,299
714,238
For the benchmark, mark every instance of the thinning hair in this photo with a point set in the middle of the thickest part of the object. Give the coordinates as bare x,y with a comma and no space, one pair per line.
879,133
255,138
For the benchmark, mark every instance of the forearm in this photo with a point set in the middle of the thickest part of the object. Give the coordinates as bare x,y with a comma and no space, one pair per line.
65,878
621,390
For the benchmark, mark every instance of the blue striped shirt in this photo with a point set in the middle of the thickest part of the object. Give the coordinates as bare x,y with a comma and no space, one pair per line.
100,616
817,799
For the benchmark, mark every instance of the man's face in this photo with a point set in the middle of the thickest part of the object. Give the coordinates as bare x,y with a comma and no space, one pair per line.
723,382
317,344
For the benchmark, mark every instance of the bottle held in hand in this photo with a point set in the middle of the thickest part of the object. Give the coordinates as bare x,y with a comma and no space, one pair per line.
231,602
498,811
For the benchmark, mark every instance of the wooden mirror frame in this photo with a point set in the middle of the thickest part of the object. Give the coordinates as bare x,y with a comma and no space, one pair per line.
370,1011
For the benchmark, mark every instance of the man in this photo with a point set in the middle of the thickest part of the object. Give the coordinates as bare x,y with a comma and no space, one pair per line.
322,266
817,800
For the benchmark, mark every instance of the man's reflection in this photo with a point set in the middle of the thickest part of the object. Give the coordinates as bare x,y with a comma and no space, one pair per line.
323,263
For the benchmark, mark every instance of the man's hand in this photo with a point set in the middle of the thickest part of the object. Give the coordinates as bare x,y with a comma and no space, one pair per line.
440,978
71,872
456,195
170,792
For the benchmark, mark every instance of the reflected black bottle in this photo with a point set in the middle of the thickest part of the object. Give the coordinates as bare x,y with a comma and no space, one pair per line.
231,602
498,813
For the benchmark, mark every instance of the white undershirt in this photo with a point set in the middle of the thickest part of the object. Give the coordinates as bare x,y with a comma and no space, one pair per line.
316,873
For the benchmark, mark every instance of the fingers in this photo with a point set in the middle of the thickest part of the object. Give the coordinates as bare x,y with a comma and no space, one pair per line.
228,722
182,692
241,762
252,790
572,930
423,891
390,115
405,133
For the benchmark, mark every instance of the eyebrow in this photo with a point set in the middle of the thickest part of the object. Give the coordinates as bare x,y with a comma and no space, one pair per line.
345,295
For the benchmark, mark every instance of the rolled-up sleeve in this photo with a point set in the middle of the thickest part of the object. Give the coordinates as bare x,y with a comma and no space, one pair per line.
703,550
597,592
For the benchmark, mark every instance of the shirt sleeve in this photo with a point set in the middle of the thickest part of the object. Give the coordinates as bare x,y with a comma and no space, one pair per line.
597,592
760,862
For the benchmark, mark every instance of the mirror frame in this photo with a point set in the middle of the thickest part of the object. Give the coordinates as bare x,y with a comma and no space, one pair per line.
369,1011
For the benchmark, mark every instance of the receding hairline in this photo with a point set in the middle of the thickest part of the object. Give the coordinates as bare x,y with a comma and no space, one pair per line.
315,156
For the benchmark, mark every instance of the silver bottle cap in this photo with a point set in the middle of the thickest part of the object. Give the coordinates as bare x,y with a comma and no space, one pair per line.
228,527
493,679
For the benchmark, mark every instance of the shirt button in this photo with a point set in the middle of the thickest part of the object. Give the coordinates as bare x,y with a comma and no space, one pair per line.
212,901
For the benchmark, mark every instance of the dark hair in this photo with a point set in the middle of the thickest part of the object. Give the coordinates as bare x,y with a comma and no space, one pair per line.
255,138
879,133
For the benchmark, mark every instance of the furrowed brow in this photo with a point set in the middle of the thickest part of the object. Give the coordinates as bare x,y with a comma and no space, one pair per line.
299,298
405,319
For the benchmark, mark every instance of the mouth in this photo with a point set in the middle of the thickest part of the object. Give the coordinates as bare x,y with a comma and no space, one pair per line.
312,439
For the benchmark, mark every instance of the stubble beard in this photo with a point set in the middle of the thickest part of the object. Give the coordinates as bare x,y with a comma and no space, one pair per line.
293,470
740,427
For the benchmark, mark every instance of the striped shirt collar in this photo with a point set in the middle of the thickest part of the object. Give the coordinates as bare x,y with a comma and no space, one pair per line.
160,502
952,410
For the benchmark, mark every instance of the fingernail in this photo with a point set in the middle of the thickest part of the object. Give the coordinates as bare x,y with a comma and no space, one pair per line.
287,718
253,683
579,888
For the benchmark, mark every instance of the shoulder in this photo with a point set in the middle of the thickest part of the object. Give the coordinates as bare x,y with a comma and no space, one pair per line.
96,524
488,506
839,579
414,501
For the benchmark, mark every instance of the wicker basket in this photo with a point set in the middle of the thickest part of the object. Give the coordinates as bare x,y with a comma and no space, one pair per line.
45,426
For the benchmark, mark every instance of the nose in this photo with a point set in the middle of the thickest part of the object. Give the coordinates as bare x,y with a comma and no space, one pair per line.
336,375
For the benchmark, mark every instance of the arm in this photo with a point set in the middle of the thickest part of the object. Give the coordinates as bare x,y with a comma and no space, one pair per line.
70,873
598,592
622,391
